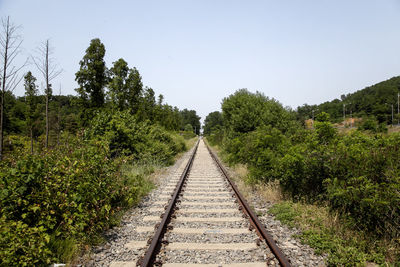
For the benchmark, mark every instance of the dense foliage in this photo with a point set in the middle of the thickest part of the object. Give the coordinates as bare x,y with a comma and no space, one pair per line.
52,199
103,143
212,123
140,140
357,174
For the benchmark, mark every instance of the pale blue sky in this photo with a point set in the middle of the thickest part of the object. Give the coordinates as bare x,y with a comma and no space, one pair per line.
196,53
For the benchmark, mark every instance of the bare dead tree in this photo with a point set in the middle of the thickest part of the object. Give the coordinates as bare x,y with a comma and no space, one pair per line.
10,48
45,64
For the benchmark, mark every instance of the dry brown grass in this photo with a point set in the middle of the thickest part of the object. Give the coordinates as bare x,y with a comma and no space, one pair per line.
270,192
393,129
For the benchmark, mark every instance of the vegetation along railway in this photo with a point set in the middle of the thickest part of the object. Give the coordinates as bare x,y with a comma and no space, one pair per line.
204,220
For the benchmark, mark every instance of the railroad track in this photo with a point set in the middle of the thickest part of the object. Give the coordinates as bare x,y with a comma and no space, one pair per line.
206,222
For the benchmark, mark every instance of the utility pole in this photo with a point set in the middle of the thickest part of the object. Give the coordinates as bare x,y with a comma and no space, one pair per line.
392,115
344,114
351,118
313,116
350,115
392,111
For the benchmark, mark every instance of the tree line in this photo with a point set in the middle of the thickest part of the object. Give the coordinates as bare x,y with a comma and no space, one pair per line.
72,164
118,88
376,101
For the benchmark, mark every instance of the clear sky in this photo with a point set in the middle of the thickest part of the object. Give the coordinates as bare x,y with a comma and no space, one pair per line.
196,53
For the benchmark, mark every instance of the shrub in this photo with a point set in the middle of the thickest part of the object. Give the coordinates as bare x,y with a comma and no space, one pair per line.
187,135
357,173
138,140
325,132
369,124
261,149
53,201
323,117
61,194
366,182
302,172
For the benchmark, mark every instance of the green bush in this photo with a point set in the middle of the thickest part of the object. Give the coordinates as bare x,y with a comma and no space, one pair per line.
366,181
216,137
260,151
301,172
61,194
325,132
23,245
357,173
138,140
52,202
187,135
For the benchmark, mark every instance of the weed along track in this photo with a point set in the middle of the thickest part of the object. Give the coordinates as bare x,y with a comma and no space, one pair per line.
205,221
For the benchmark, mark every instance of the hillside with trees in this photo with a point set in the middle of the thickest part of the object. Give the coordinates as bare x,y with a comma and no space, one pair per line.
373,101
351,177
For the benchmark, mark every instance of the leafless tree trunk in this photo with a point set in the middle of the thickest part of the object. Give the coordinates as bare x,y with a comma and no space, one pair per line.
10,44
45,64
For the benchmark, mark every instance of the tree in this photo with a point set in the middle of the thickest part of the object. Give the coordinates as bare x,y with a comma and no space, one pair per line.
244,112
30,96
212,122
160,99
92,76
147,105
369,101
125,86
135,89
118,87
323,117
10,44
190,117
45,64
188,128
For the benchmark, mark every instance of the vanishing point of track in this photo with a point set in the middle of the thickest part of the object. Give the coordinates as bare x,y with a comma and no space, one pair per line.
207,221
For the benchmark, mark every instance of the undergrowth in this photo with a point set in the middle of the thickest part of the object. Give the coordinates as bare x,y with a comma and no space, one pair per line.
328,234
56,203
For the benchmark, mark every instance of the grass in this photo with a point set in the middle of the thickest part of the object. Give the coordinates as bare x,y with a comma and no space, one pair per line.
190,143
326,232
329,234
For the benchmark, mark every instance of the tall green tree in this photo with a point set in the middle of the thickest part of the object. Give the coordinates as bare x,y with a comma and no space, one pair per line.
135,89
147,105
30,96
190,117
118,84
92,75
244,112
212,122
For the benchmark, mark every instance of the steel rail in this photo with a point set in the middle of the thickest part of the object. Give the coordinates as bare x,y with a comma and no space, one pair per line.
259,227
155,245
